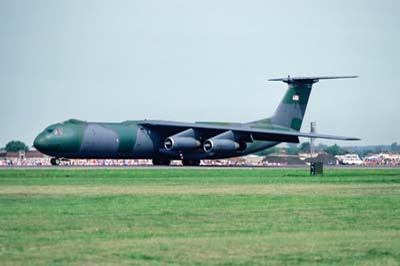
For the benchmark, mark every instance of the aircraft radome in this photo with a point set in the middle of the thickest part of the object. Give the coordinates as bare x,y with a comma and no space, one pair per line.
163,141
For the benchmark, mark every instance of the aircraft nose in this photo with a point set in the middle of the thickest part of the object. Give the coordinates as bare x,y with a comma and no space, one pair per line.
40,142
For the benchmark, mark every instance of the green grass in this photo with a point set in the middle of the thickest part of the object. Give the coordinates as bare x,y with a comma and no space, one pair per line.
199,217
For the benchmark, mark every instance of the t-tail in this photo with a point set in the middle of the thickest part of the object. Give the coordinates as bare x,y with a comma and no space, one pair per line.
290,111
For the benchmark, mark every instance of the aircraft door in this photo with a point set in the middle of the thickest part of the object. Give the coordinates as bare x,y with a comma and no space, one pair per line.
144,145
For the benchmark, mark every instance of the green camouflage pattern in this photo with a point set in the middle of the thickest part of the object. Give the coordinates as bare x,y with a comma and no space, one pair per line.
143,140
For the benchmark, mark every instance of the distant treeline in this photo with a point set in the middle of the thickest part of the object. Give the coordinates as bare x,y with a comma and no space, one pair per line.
364,150
294,149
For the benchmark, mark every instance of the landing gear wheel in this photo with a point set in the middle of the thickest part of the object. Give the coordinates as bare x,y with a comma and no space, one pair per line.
55,161
165,162
191,162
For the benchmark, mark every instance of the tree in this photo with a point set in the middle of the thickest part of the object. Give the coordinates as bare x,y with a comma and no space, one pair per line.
292,149
16,145
394,146
335,150
366,152
267,151
305,147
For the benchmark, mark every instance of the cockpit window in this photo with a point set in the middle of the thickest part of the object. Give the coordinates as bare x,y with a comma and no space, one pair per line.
57,132
54,131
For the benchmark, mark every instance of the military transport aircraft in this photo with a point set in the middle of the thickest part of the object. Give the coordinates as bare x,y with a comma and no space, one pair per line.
163,141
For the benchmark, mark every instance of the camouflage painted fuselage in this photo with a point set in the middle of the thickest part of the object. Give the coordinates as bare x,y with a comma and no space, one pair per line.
126,140
193,141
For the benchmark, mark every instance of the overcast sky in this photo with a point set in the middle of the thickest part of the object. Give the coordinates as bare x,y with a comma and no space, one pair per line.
198,60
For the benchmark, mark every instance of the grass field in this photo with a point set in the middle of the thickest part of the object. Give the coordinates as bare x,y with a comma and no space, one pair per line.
199,217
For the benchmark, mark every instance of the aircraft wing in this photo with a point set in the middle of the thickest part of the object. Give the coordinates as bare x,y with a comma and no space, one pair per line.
243,131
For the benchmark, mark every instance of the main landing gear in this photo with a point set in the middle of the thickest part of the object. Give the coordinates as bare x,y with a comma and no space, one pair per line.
164,162
55,161
191,162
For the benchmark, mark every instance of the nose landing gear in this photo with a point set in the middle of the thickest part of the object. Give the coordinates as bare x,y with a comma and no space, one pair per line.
55,161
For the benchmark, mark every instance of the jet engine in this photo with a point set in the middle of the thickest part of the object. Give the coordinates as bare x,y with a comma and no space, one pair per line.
181,143
222,145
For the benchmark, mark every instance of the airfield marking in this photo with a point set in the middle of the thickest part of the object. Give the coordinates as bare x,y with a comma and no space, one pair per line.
342,190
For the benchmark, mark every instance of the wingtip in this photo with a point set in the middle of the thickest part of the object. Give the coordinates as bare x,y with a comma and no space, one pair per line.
353,139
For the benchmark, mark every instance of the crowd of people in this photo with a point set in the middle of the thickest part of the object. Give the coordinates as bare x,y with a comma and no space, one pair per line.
72,162
382,159
373,160
24,162
102,162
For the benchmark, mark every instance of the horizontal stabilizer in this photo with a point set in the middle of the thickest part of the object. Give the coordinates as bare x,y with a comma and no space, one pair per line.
290,79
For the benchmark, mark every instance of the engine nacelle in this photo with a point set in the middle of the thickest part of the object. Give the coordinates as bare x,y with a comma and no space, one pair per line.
181,143
220,145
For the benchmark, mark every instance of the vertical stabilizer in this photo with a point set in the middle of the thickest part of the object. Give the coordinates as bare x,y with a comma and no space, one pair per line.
290,111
